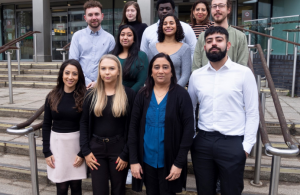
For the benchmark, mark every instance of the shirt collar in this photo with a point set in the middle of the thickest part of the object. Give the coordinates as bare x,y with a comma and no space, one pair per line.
227,65
90,32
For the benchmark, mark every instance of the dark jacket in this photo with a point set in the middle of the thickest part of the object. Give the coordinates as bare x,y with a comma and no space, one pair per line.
179,132
86,124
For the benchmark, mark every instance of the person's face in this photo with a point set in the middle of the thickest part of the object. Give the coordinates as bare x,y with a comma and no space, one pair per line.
164,9
219,10
109,71
70,77
216,47
93,16
131,13
161,71
126,37
200,12
169,26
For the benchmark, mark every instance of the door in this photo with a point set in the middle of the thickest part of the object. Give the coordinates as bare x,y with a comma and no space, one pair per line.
59,33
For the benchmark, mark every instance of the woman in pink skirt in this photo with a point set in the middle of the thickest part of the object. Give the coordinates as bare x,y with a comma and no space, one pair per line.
63,108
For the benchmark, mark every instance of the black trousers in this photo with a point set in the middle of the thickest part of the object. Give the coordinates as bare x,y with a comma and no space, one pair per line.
214,154
106,154
154,181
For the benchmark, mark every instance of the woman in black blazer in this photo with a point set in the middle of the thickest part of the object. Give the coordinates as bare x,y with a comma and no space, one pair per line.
176,131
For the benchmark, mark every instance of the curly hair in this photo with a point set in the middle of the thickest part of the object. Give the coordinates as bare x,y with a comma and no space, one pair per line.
179,35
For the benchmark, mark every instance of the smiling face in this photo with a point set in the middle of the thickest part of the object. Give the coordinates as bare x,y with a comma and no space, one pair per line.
70,77
93,16
200,12
161,71
109,71
169,26
131,13
164,9
126,37
220,12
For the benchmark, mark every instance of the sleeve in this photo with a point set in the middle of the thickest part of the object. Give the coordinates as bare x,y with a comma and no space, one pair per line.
187,121
145,43
112,44
46,129
250,95
193,95
186,63
142,75
134,128
243,51
190,38
84,126
74,52
197,60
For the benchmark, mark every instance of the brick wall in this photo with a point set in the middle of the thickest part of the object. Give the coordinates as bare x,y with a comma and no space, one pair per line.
281,68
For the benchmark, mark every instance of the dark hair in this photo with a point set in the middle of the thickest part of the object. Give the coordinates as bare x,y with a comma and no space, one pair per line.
138,12
132,52
92,3
149,84
193,20
179,36
56,94
165,1
216,29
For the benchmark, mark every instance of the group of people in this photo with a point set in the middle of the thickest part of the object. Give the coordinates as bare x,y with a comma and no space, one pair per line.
122,104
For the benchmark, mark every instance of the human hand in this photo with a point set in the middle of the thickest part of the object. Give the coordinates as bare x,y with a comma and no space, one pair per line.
246,154
121,164
136,169
174,173
50,161
91,161
90,85
78,161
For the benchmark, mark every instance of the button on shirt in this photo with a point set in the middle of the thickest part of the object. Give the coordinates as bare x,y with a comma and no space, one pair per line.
150,35
88,47
228,101
154,136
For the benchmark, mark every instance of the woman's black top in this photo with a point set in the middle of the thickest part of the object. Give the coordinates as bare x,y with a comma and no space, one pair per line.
179,132
139,29
107,125
87,124
65,121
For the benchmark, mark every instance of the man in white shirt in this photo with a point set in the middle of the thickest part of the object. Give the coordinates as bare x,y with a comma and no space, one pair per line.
163,8
228,117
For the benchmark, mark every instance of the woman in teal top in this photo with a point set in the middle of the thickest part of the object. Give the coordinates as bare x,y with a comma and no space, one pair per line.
134,62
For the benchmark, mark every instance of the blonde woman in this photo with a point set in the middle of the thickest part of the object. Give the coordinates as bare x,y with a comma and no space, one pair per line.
104,128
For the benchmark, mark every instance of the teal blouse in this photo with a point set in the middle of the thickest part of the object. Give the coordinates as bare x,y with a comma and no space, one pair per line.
138,76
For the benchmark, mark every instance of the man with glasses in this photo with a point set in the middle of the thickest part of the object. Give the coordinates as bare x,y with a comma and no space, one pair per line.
163,8
220,10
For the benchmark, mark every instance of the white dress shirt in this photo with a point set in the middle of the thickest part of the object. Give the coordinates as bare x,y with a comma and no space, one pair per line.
150,35
228,101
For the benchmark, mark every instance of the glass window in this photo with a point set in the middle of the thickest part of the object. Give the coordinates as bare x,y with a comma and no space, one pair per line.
246,10
1,55
285,8
107,23
59,33
9,25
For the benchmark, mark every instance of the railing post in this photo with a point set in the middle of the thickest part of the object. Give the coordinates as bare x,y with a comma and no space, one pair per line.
35,49
9,77
275,171
18,56
269,50
33,164
294,68
64,56
287,44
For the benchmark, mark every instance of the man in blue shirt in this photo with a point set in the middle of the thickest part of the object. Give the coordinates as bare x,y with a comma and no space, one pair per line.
90,44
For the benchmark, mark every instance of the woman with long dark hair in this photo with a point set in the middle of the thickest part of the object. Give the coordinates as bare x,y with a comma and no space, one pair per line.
132,16
170,33
134,62
200,13
104,128
63,108
161,131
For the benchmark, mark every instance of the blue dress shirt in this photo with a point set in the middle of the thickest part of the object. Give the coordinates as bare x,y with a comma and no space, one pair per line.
88,47
154,136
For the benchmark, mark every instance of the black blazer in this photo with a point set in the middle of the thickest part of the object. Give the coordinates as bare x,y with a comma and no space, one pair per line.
86,124
179,132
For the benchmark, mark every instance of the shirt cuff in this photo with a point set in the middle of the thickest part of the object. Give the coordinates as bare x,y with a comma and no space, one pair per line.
247,147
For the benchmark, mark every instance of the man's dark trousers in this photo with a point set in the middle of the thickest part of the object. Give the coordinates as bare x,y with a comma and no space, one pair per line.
215,154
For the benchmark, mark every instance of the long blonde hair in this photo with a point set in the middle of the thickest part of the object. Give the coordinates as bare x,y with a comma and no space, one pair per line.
99,98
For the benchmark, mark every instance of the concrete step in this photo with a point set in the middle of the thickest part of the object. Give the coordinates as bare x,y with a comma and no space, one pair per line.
29,84
280,91
26,65
6,122
30,71
30,77
24,113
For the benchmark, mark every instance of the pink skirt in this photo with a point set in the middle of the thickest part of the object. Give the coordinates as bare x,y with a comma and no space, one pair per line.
65,147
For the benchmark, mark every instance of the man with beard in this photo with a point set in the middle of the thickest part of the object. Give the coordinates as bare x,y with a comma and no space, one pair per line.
165,7
228,122
90,44
220,10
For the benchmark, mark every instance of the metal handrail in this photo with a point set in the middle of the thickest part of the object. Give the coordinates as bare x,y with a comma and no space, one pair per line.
64,50
292,151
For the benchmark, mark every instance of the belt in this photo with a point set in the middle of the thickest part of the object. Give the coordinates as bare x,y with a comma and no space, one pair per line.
108,139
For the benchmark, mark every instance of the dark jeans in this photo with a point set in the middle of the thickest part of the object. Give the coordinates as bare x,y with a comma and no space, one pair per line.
106,154
214,154
153,180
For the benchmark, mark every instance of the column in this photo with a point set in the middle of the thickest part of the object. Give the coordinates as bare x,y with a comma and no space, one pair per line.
147,7
42,22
